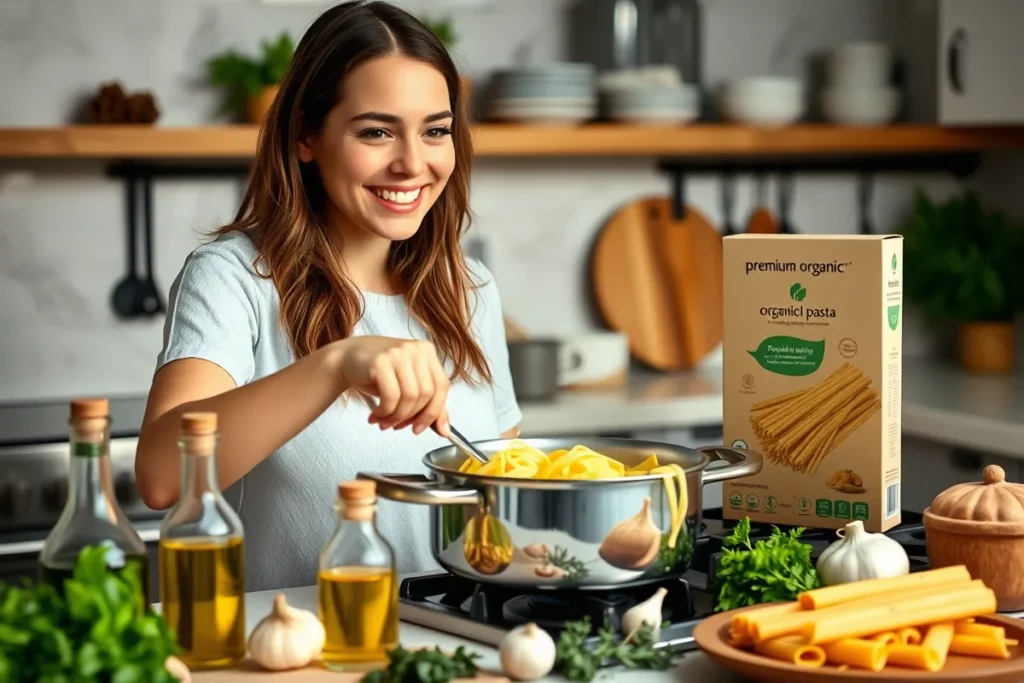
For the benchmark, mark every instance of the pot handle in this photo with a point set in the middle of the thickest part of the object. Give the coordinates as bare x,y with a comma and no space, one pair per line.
741,463
421,490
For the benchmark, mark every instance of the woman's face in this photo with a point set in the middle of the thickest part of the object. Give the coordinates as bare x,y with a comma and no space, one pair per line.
385,152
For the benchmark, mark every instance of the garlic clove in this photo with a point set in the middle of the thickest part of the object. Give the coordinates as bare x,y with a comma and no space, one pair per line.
286,638
537,551
178,669
633,544
646,612
527,653
858,555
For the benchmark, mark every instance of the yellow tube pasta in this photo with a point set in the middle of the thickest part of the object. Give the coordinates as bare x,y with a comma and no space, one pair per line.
978,646
855,652
846,592
913,657
794,650
909,636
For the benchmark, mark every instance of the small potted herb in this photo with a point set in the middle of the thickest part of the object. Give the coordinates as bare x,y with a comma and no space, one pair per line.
962,266
251,83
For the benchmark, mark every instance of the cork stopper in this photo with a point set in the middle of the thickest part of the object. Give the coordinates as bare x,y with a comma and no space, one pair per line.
357,490
199,424
89,408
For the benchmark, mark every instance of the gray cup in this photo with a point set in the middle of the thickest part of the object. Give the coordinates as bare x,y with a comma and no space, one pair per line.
534,367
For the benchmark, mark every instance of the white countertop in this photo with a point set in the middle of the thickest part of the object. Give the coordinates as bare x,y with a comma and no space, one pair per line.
692,668
941,403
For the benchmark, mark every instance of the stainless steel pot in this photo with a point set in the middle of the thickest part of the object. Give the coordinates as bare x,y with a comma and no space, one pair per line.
558,534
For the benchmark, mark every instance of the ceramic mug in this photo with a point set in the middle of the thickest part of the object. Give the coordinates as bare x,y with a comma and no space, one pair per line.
597,358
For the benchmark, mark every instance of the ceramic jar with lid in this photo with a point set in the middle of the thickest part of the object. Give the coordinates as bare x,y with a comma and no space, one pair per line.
981,525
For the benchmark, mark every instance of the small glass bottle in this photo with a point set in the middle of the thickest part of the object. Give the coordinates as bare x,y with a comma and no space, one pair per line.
91,515
202,569
357,584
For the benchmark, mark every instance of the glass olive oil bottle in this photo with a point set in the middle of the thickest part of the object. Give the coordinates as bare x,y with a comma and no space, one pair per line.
202,572
91,516
357,584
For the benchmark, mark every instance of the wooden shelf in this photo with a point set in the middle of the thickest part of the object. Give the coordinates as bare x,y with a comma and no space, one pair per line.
491,140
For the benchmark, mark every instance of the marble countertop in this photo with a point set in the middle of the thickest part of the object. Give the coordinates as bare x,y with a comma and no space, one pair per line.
941,403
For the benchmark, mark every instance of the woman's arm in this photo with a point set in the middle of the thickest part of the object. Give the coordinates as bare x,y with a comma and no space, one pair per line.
254,420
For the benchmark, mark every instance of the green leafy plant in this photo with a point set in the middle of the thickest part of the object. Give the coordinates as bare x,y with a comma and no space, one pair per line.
961,262
775,569
576,662
559,557
99,631
443,29
243,77
424,666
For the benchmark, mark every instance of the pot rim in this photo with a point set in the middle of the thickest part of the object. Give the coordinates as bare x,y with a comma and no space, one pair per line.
968,527
703,460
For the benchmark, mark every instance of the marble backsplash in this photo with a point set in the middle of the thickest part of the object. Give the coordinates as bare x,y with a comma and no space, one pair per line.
61,228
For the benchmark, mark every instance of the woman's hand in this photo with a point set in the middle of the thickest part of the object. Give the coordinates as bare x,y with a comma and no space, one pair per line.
405,375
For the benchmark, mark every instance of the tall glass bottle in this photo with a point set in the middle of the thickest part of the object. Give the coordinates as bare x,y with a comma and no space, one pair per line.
91,515
202,571
357,584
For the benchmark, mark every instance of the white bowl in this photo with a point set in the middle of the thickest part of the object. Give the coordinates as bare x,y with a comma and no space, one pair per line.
860,106
860,65
763,101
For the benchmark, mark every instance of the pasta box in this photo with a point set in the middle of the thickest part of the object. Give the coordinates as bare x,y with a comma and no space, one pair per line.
812,365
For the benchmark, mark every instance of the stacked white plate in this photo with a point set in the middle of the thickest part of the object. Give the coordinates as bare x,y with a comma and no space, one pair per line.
649,96
859,91
556,93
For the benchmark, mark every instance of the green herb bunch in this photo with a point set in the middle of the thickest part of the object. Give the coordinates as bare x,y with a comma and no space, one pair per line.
424,666
576,662
962,262
443,29
775,569
98,632
243,77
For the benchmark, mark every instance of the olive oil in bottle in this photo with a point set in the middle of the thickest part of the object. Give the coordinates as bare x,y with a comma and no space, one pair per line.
357,584
202,569
92,516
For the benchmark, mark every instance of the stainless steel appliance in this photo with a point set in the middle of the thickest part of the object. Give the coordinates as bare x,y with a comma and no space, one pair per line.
34,465
486,612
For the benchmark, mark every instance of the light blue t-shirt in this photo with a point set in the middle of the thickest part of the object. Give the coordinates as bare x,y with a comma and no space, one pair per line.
221,310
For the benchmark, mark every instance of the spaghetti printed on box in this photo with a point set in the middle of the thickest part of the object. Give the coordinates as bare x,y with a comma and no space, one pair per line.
812,354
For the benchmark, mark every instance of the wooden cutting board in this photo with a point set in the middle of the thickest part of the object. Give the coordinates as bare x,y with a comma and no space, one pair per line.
311,674
659,281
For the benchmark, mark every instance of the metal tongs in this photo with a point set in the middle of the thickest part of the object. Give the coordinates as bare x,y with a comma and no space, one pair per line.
463,444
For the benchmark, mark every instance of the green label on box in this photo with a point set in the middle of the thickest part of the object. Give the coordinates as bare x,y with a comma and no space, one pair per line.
843,510
860,511
894,316
823,507
789,356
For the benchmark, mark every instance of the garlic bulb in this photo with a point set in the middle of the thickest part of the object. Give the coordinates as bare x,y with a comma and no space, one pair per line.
634,543
287,638
859,555
527,653
178,669
647,612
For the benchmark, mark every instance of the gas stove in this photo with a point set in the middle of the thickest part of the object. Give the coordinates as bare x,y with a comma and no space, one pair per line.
485,613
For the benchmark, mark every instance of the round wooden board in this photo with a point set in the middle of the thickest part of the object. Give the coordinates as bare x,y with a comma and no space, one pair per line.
659,281
712,635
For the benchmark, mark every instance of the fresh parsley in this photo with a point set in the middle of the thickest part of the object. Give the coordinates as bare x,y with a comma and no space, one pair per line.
775,569
98,632
576,662
424,666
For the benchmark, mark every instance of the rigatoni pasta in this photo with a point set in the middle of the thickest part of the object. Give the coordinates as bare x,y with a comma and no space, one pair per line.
800,429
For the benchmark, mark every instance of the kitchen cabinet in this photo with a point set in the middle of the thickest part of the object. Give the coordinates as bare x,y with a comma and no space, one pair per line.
980,62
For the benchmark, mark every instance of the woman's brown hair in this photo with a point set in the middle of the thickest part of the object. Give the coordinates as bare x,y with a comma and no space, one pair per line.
283,208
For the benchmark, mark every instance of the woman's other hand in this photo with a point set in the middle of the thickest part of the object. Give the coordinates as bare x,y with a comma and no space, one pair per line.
405,375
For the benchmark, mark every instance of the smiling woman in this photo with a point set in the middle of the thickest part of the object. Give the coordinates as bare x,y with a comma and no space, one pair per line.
342,274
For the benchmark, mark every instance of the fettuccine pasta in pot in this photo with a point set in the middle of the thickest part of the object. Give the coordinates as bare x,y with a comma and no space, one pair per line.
522,461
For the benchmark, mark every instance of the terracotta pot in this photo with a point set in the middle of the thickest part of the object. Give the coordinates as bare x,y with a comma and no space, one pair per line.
986,347
260,104
981,526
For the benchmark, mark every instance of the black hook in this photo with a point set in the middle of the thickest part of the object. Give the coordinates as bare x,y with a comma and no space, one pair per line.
785,204
864,197
678,195
728,201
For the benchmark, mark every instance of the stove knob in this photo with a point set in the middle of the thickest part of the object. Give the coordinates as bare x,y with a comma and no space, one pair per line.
125,489
15,498
55,494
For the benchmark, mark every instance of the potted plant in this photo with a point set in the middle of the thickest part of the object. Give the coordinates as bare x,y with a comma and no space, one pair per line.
445,32
963,265
251,82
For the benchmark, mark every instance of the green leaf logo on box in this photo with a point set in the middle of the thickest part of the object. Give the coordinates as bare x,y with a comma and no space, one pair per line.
789,356
797,292
894,317
894,262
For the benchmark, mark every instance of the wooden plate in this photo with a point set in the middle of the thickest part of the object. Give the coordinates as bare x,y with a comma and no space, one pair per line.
712,635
